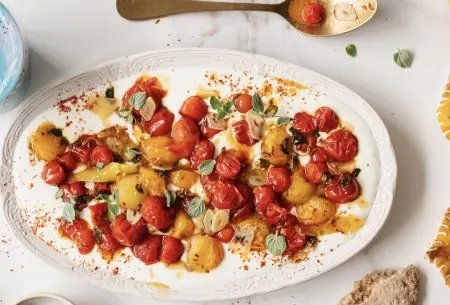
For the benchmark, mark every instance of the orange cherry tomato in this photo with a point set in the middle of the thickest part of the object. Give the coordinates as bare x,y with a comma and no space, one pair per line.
341,189
160,124
101,155
327,119
154,210
80,233
279,178
204,150
68,161
295,238
341,145
313,13
228,165
172,249
208,132
126,233
148,250
194,107
315,172
224,195
304,123
241,133
226,234
243,103
319,155
53,173
182,150
152,88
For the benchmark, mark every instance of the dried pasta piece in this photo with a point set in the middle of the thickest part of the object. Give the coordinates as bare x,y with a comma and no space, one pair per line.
443,111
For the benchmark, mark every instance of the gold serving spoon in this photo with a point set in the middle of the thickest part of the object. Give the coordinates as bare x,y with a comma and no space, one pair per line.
341,15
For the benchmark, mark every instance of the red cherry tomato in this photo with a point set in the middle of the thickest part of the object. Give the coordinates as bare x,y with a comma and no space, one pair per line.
295,238
244,212
274,214
243,103
204,150
152,88
154,210
327,119
341,189
101,188
228,165
149,249
290,221
82,148
304,123
226,234
53,173
279,178
341,145
103,236
314,172
194,107
225,195
185,131
245,190
172,249
319,155
101,155
208,132
160,124
126,233
313,13
312,142
99,213
264,196
68,161
80,233
241,132
181,150
71,190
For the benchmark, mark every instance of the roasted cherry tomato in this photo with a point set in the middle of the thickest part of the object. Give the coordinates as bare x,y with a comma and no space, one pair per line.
148,250
207,131
126,233
225,195
80,233
152,88
290,221
101,155
154,210
341,189
244,212
71,190
243,103
204,150
101,188
304,123
327,119
341,145
241,132
264,196
181,150
99,213
53,173
102,232
319,155
245,190
279,178
68,161
274,214
226,234
312,142
160,124
313,13
194,107
82,148
315,172
228,165
172,250
185,131
295,238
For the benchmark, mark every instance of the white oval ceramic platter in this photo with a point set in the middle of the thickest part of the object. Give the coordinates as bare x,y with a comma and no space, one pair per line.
32,210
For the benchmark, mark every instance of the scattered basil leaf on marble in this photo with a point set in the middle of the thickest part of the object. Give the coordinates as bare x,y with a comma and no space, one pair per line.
283,120
206,167
275,244
170,198
351,50
196,207
138,100
403,58
109,93
68,212
257,104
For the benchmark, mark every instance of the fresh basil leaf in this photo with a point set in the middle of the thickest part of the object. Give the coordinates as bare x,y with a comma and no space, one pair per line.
113,210
115,196
69,212
131,119
283,120
206,167
221,114
170,198
227,107
104,197
275,244
109,93
403,58
123,113
59,193
351,50
298,138
257,104
137,100
215,103
100,165
196,207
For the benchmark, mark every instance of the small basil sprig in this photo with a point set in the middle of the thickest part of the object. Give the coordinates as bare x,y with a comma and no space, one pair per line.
196,207
109,93
170,198
127,115
222,108
351,50
257,104
113,206
206,167
403,58
275,244
283,120
69,212
137,100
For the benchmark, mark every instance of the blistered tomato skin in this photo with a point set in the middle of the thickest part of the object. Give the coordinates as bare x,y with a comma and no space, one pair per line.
244,212
241,132
295,238
194,107
319,155
82,148
152,88
53,173
226,234
208,132
225,195
342,189
126,233
264,196
148,250
68,161
101,155
315,172
228,166
341,145
160,124
185,131
204,150
304,123
74,189
79,232
155,212
327,119
314,13
279,178
172,249
243,103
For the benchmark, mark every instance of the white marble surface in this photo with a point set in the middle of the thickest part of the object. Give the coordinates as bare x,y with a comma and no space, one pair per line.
72,35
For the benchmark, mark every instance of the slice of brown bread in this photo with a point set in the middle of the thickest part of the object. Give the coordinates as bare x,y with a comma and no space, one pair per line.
387,287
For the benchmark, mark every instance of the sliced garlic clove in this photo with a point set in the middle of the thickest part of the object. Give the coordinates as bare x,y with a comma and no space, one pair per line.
255,123
213,123
345,12
207,221
148,109
133,216
220,220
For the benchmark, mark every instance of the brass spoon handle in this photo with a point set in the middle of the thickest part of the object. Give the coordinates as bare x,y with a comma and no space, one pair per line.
145,9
